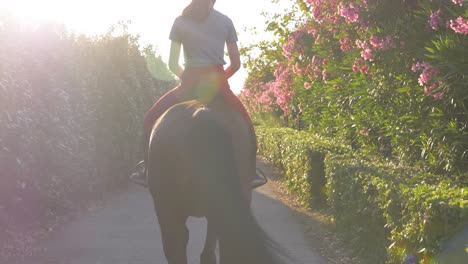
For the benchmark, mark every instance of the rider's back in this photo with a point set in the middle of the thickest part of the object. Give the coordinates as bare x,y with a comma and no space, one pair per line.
203,41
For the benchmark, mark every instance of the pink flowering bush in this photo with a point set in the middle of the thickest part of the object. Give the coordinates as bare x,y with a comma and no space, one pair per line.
389,77
377,65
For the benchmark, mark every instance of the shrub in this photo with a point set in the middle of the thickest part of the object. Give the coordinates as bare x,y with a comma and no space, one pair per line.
71,110
387,212
301,156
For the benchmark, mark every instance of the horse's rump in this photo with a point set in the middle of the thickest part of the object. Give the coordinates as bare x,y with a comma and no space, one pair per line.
177,157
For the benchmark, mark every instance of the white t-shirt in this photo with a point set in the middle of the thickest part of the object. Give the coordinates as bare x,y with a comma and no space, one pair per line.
203,42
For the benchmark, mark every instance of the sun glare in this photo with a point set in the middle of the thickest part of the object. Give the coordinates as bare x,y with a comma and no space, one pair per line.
150,19
83,16
36,10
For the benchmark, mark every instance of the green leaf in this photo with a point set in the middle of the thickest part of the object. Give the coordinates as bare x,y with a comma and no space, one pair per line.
404,89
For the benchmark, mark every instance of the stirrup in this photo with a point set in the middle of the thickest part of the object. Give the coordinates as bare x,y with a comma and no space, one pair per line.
259,180
138,176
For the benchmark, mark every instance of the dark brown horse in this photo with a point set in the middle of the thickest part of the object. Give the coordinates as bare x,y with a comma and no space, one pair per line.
201,162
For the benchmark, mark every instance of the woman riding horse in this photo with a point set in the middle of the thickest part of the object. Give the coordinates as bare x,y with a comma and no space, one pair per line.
201,156
203,32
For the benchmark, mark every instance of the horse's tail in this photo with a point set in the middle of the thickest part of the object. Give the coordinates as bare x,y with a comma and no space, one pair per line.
241,239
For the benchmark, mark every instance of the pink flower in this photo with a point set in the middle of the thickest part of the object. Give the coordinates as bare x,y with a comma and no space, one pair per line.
438,96
429,91
279,89
459,25
317,14
294,44
308,70
420,65
297,69
367,54
426,75
324,75
314,59
458,2
288,49
426,78
364,132
264,99
382,44
307,85
350,13
376,42
312,31
346,44
318,61
364,3
365,69
434,20
317,73
334,19
356,65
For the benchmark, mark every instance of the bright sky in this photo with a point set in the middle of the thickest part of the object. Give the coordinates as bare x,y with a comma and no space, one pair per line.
151,19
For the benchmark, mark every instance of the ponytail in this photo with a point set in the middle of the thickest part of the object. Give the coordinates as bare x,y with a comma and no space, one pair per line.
198,10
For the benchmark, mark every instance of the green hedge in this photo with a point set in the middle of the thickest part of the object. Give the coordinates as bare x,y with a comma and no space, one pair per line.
388,213
301,156
71,115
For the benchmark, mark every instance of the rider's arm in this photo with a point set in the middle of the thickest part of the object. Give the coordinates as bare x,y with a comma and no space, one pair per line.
174,59
234,57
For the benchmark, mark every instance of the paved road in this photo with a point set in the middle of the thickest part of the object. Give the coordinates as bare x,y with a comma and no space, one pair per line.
125,231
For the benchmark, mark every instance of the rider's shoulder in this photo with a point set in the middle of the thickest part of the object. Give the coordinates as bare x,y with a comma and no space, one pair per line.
220,15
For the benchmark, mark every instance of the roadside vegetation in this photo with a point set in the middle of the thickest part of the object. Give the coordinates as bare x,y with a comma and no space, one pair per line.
364,105
71,110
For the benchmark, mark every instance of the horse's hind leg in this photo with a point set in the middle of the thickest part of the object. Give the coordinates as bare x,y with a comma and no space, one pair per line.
208,255
175,236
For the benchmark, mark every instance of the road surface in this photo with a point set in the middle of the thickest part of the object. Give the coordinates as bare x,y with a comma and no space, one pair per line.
125,231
